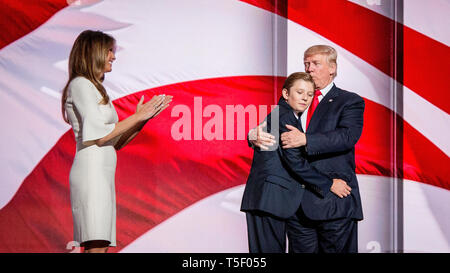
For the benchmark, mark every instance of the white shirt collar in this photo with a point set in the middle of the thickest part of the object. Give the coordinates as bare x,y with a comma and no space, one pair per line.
327,88
324,92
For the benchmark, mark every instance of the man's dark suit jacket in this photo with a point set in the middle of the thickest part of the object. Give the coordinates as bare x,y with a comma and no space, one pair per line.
275,183
331,137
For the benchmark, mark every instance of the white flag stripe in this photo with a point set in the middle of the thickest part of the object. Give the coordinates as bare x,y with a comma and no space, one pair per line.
219,40
426,222
216,228
220,229
427,17
426,118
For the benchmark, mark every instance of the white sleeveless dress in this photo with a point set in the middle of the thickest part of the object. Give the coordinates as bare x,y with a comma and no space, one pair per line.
92,186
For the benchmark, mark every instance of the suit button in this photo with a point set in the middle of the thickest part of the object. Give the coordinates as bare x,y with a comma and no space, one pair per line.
303,185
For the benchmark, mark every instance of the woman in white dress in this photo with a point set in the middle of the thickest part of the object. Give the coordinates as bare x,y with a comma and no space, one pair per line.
98,134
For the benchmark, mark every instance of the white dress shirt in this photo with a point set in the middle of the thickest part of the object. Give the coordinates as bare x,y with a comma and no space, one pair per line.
324,93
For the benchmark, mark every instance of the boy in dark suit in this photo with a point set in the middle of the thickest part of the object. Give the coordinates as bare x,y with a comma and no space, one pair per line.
279,177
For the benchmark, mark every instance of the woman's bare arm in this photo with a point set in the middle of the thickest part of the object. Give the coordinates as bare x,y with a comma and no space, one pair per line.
145,112
129,135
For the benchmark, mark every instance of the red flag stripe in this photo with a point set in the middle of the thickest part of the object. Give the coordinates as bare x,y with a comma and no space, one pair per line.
18,18
367,34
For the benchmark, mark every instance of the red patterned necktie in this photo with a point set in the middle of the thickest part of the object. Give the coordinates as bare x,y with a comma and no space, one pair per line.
313,107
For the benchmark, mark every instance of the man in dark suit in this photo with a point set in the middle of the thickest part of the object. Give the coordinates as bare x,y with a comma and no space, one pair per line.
280,177
333,124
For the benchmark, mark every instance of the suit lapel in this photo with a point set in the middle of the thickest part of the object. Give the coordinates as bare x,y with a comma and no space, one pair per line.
322,108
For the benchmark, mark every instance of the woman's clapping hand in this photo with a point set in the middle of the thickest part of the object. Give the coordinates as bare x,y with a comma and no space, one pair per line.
152,108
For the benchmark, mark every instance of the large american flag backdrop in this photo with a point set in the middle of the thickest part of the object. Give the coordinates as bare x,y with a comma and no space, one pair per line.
184,195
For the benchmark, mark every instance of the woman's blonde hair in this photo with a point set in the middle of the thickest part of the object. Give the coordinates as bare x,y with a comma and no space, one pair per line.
88,58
